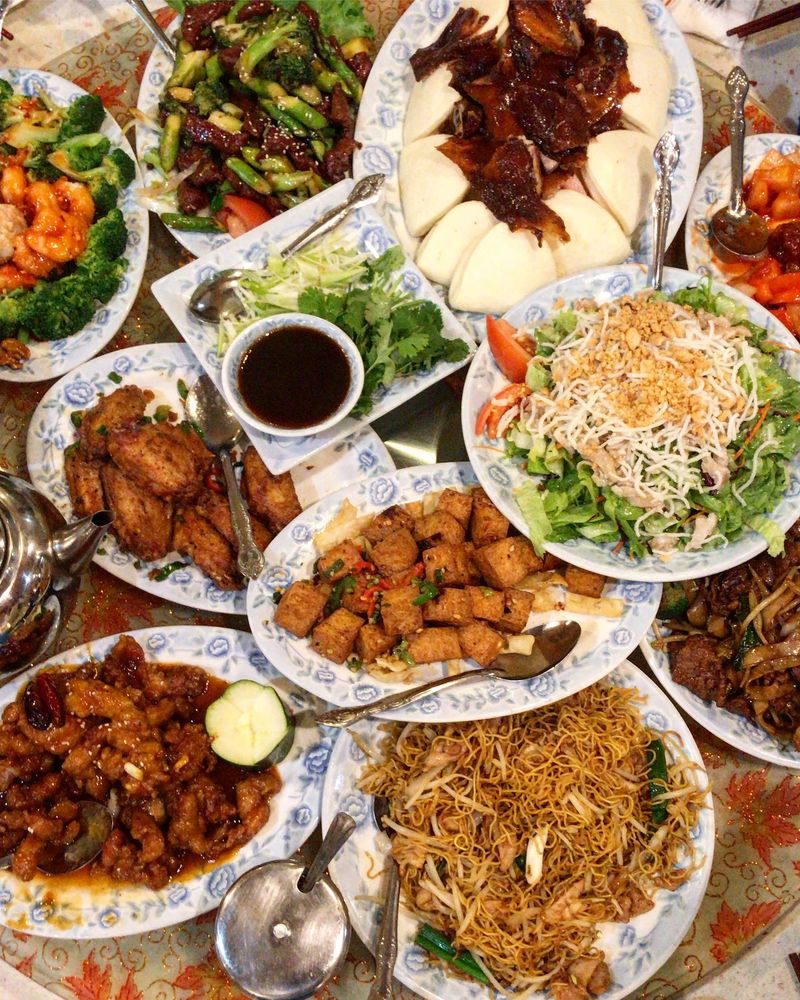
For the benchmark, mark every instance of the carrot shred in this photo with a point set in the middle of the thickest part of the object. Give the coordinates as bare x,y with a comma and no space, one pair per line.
757,427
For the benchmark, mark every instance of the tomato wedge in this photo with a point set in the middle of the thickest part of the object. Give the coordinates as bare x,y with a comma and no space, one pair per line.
511,357
240,215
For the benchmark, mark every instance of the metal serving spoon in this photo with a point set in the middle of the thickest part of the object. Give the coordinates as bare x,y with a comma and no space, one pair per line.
154,28
736,228
206,407
282,930
386,942
216,297
665,157
96,824
554,641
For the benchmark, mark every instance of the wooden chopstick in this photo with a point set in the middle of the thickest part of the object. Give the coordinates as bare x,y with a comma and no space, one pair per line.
790,13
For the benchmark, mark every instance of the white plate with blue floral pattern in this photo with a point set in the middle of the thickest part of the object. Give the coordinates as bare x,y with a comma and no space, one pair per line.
52,358
501,476
633,951
713,191
733,729
379,127
369,234
290,556
72,911
158,367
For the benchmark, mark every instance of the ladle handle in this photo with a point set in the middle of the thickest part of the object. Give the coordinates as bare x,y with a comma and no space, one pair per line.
250,560
665,158
365,192
737,86
153,27
386,943
341,717
338,833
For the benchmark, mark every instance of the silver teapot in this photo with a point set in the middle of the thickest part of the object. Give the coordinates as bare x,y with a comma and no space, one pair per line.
41,560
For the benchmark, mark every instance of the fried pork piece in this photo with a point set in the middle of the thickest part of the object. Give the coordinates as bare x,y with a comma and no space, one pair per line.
197,538
215,508
142,522
272,498
121,408
84,483
160,458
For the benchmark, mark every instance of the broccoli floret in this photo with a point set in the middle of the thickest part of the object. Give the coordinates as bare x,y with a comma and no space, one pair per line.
104,196
106,239
25,134
189,68
120,168
39,166
209,96
85,152
52,310
229,36
10,309
116,171
286,33
6,91
290,70
104,275
85,114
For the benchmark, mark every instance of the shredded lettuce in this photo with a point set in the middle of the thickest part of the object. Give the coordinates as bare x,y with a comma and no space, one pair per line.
549,336
769,529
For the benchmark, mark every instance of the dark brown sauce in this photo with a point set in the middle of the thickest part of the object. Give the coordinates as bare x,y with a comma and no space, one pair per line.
294,377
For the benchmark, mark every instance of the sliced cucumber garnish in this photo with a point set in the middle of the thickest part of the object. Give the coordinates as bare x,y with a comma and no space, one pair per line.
249,726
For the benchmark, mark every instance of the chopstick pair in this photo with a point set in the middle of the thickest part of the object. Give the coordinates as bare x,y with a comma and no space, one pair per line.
790,13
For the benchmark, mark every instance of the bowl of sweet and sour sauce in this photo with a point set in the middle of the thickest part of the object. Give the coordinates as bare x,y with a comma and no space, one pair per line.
292,375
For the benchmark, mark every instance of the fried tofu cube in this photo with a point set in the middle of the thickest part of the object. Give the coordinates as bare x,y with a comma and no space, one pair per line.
439,527
448,565
457,504
505,562
433,644
300,608
480,643
387,521
395,552
486,603
474,572
373,642
487,524
583,581
335,636
451,607
399,614
338,561
518,604
354,600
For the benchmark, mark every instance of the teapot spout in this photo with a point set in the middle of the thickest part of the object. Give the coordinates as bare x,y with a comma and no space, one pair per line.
75,544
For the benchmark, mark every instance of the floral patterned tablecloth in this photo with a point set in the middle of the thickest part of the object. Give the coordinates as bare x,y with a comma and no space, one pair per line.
756,874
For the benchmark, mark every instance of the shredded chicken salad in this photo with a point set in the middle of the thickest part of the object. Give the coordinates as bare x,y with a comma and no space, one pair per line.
661,422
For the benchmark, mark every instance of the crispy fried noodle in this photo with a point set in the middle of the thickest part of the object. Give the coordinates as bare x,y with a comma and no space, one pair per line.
516,836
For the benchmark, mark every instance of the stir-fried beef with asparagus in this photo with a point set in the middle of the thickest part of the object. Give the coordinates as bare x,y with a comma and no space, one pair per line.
259,111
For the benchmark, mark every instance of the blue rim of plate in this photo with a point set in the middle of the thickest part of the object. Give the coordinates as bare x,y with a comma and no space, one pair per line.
43,907
634,950
731,728
713,191
290,556
158,366
499,475
379,127
54,358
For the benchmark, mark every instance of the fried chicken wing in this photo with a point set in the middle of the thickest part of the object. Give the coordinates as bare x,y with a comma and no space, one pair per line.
216,509
160,458
123,407
197,538
83,481
142,522
271,498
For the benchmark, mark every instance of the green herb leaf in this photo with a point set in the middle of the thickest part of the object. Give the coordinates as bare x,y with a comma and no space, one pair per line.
115,377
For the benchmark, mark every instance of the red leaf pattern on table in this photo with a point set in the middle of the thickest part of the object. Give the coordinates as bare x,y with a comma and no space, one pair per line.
129,989
732,928
26,965
93,983
207,981
766,817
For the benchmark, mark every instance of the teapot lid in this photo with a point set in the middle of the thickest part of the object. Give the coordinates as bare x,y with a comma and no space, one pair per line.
27,520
